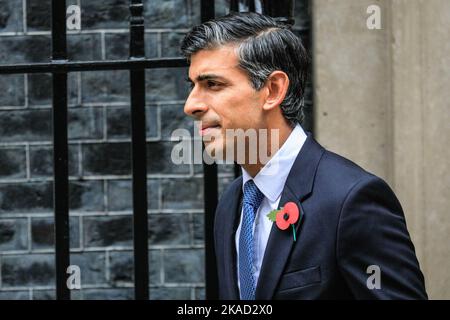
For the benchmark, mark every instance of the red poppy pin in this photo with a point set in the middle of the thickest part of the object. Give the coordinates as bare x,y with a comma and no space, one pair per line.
287,215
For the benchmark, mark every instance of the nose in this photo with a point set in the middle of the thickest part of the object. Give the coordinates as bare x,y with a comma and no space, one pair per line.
195,106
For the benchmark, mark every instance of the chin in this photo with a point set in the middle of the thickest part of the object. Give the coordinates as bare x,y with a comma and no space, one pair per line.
216,150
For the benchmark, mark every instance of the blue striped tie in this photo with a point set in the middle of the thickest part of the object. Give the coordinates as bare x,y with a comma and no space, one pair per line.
252,200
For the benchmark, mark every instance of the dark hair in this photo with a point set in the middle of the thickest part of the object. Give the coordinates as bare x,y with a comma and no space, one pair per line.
263,46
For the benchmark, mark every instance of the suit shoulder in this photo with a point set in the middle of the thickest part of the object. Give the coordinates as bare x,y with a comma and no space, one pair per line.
339,168
337,176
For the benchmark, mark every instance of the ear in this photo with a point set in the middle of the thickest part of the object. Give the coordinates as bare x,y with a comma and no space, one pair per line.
276,86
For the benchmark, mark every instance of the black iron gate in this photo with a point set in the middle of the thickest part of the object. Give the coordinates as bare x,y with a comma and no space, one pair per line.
59,67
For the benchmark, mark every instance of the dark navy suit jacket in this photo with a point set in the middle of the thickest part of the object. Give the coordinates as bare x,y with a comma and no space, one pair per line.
350,220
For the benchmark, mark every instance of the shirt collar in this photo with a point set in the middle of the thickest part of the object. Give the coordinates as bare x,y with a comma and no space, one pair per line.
271,179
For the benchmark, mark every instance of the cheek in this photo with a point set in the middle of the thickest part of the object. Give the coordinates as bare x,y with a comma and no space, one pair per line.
237,109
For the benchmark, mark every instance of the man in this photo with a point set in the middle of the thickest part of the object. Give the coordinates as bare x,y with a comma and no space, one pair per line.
350,240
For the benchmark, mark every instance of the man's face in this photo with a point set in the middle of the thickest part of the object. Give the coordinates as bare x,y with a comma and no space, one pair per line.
222,97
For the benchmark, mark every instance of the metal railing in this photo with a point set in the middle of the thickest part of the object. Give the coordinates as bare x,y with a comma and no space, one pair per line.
59,67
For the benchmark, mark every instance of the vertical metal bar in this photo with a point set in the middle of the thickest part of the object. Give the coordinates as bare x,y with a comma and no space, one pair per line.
251,5
139,158
211,197
234,5
207,10
60,151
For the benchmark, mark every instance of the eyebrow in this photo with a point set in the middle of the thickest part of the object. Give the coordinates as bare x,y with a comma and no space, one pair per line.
203,77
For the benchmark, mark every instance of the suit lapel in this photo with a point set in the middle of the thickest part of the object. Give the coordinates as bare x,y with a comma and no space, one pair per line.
298,186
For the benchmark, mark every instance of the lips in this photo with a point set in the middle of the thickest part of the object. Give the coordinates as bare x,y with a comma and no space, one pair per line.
208,128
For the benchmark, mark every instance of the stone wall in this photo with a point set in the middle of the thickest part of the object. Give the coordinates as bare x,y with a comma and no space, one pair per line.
382,100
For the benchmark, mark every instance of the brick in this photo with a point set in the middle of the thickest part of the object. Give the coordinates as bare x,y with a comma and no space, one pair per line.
38,196
92,267
182,193
109,294
221,8
166,14
159,159
108,231
41,161
119,122
108,158
169,229
153,192
28,270
11,16
40,89
85,123
84,47
86,195
26,197
12,163
104,14
117,45
38,15
15,295
225,169
120,196
151,122
199,228
122,267
115,158
23,49
42,233
105,86
170,293
50,294
198,168
173,118
154,266
184,266
13,234
25,125
44,294
13,88
200,293
166,84
170,44
151,45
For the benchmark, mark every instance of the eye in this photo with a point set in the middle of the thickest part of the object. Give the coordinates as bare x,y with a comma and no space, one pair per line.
213,84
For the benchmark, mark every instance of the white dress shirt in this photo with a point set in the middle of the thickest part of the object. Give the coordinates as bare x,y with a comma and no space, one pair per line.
270,180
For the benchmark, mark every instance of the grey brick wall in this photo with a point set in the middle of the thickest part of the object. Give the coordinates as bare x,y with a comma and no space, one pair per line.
99,156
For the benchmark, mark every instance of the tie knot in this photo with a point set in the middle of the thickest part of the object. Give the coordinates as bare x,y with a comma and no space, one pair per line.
252,195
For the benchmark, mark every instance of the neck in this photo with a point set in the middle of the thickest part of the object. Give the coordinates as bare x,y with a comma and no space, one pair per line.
272,147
